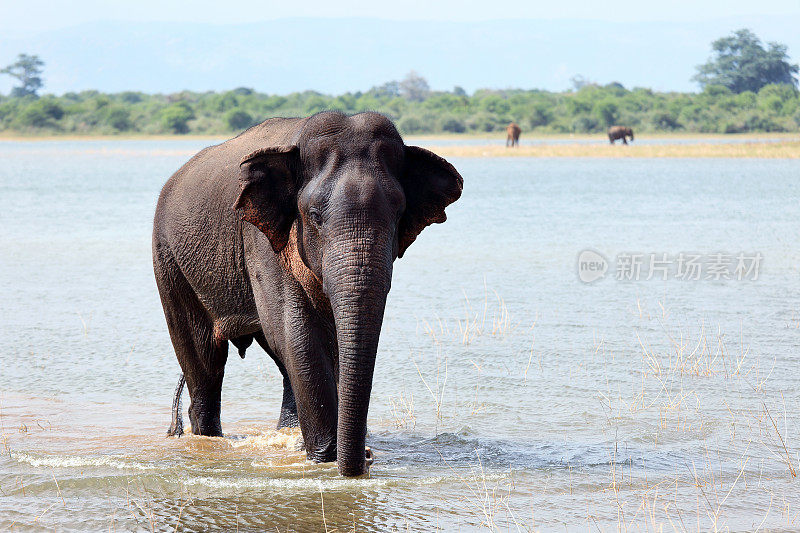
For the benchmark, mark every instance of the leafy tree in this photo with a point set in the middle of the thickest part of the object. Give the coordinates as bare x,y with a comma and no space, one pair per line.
607,111
176,117
130,97
743,64
775,107
540,115
238,119
579,82
411,124
390,89
453,125
495,104
414,87
41,114
118,117
28,70
665,121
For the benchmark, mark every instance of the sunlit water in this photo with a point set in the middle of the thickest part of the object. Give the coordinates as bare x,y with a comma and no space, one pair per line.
508,394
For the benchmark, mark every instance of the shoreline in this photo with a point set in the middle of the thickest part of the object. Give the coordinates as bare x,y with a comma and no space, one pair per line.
493,136
750,145
750,150
16,137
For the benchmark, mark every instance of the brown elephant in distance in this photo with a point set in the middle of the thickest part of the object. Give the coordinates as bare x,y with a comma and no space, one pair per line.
620,132
513,130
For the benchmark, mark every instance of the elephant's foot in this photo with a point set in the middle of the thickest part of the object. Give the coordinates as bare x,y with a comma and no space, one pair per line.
369,455
359,471
288,419
321,452
205,419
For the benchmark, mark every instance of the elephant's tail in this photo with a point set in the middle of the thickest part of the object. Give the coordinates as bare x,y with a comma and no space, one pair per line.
176,427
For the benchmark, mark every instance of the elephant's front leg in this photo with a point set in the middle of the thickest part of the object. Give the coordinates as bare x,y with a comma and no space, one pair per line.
313,382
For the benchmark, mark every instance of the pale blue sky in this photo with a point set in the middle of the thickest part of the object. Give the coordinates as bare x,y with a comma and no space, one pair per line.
32,15
168,46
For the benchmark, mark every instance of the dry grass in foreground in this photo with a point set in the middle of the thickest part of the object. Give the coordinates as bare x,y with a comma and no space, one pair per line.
768,150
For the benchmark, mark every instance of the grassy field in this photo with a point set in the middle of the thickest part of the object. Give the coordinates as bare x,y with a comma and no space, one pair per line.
601,137
770,150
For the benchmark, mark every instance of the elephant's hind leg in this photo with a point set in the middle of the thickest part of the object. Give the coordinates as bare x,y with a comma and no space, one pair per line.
201,356
288,417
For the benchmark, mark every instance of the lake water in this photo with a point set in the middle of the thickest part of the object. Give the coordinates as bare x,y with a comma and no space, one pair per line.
508,393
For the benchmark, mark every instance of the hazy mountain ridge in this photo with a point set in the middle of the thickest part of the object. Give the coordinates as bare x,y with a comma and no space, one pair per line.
353,54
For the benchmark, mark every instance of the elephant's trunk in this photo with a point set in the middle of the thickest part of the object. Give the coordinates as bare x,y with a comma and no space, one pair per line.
357,287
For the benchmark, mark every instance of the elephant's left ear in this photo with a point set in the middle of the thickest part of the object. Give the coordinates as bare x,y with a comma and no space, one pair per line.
430,184
268,192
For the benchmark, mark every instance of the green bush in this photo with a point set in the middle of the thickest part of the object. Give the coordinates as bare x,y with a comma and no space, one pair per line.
495,104
118,118
586,124
238,119
607,112
413,124
453,125
588,110
41,114
756,122
130,97
664,121
176,117
540,115
482,122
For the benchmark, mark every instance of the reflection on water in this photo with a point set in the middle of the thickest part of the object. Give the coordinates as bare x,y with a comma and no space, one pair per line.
508,394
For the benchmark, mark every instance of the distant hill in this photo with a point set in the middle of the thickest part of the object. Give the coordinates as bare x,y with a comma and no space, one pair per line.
333,56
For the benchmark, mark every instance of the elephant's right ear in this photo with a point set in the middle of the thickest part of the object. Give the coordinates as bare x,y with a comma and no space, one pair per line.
268,179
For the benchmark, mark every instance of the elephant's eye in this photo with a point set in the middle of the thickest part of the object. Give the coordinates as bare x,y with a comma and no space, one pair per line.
315,217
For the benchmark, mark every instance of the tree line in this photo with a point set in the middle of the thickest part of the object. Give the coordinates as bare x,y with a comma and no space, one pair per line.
746,87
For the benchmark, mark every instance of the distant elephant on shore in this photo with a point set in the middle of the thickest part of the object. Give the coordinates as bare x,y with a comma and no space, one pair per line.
513,130
619,132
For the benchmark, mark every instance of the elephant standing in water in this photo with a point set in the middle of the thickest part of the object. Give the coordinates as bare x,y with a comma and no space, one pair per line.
619,132
512,134
287,234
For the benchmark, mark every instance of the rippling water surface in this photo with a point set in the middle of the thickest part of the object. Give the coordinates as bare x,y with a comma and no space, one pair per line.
508,394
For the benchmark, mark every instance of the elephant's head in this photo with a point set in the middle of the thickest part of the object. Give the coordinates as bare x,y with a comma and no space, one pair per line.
357,197
629,132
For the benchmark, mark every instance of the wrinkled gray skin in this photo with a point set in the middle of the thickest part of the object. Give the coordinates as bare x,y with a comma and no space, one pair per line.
619,132
287,235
